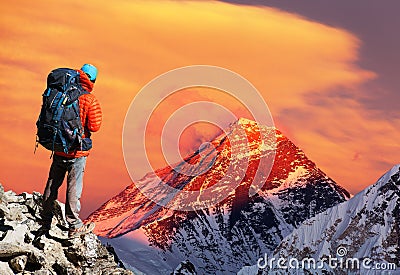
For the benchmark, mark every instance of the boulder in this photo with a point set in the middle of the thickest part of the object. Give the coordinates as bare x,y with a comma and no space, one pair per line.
4,211
18,263
17,235
10,196
6,269
8,250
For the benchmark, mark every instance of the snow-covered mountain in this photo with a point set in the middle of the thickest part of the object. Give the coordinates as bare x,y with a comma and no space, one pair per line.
363,233
234,232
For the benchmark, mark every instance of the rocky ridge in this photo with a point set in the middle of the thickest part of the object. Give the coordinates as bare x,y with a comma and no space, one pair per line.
25,250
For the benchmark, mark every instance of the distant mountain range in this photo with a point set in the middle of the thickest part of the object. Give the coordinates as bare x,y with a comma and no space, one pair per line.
362,233
232,233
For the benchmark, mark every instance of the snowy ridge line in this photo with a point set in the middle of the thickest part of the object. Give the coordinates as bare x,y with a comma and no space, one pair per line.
364,227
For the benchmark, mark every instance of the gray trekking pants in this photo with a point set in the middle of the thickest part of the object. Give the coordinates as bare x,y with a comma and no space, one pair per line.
75,168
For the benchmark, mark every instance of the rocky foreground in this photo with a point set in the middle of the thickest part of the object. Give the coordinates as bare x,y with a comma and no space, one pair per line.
24,250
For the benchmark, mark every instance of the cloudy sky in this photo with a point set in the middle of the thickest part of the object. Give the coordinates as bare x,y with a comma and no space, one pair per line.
326,69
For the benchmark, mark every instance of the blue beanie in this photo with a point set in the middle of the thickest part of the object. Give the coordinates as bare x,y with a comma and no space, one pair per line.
91,71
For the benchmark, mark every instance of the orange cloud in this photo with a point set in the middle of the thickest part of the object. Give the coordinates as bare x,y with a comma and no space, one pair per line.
340,135
285,56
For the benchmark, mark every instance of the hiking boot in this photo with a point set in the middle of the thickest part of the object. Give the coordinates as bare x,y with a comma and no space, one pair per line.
84,229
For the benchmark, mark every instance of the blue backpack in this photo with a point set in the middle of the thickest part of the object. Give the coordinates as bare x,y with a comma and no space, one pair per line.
59,127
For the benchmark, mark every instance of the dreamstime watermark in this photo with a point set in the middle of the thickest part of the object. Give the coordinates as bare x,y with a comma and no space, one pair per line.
331,262
153,94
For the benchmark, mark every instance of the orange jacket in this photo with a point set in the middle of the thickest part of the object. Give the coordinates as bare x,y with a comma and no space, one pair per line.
90,113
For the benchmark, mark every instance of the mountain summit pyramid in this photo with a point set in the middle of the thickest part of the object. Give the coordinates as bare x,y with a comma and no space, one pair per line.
237,230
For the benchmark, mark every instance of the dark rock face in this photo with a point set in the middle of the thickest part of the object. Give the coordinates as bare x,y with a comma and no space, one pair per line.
24,248
185,268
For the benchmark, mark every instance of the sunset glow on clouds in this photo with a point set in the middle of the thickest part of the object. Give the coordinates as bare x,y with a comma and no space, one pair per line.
307,73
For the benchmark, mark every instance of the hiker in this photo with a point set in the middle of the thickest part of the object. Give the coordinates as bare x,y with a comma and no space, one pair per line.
73,162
